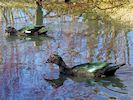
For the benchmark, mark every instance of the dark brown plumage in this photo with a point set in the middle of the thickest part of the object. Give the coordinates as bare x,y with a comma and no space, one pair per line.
98,69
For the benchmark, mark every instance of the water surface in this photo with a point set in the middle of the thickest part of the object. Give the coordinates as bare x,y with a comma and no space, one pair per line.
22,67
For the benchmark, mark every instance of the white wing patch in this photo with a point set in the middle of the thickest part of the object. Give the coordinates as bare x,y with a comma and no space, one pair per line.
95,68
27,31
92,69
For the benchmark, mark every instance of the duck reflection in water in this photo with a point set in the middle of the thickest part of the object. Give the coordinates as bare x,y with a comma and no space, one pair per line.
112,83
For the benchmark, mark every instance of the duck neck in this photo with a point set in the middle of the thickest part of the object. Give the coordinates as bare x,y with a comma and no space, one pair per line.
63,67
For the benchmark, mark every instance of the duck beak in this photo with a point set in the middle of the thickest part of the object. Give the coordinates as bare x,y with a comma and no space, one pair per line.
46,62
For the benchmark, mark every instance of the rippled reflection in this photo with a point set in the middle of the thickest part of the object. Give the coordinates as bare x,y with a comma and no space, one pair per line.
22,70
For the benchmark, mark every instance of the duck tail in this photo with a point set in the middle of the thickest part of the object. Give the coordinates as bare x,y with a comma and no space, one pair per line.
116,65
111,69
120,65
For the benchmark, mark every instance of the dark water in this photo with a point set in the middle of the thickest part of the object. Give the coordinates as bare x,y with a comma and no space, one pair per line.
22,68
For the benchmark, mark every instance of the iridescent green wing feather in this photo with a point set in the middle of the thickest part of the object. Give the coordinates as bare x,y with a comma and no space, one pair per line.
41,29
32,26
90,67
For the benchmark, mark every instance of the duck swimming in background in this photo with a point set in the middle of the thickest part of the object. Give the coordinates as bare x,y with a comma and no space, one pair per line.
28,30
37,28
98,69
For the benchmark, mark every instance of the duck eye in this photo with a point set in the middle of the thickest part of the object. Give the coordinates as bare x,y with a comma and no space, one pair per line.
48,61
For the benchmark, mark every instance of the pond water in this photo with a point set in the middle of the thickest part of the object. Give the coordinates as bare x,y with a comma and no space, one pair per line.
22,67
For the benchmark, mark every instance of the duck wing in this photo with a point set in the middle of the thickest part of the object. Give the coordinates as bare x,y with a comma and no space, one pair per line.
30,29
90,67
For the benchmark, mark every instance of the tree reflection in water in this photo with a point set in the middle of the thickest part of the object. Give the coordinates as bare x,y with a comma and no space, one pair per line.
21,68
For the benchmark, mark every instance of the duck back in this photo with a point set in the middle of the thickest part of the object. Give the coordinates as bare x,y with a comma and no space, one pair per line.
88,69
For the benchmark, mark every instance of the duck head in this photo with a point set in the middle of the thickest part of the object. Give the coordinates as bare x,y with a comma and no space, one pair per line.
56,59
11,30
